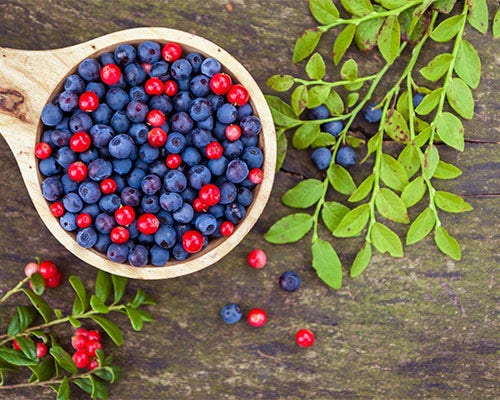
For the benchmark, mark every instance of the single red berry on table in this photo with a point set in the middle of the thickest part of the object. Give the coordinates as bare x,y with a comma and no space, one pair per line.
47,269
154,86
43,150
77,171
30,268
119,235
81,358
214,150
209,194
78,341
41,349
238,95
226,228
171,51
192,241
88,101
108,186
83,220
92,346
256,175
199,206
157,137
57,208
124,215
257,258
110,74
233,132
220,83
156,118
257,317
170,87
15,345
304,338
173,161
53,282
148,224
94,335
93,364
80,141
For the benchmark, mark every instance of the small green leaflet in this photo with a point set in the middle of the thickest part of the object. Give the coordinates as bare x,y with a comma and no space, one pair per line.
421,226
282,113
332,213
282,144
444,6
478,15
305,135
299,99
353,222
460,98
496,25
15,357
334,103
362,260
63,359
385,240
40,304
324,11
437,67
342,42
390,206
468,64
392,173
429,102
363,190
317,95
340,179
349,70
447,29
305,44
358,8
451,202
447,244
366,35
103,285
326,263
389,38
446,171
410,159
431,161
119,285
280,83
450,130
304,194
289,229
63,392
110,328
397,128
315,67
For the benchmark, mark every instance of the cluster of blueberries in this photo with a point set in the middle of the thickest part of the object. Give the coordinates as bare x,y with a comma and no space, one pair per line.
134,139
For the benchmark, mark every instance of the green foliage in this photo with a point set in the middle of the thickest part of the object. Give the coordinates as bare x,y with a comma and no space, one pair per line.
393,28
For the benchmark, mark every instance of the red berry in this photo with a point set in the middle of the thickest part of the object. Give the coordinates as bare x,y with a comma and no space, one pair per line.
156,118
82,332
209,194
256,175
47,269
41,349
199,206
148,224
157,137
257,317
92,346
77,171
94,335
43,150
233,132
173,161
83,220
170,87
220,83
257,258
192,241
108,186
15,345
78,341
80,141
214,150
93,364
53,282
30,268
110,74
119,235
125,215
237,95
304,338
171,51
146,67
57,209
81,359
88,101
226,228
154,86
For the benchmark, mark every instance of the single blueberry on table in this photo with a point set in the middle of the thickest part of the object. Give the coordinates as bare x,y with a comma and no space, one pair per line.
333,128
346,157
372,114
321,157
289,281
231,313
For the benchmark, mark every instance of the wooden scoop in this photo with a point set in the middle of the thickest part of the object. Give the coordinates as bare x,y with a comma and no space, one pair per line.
29,79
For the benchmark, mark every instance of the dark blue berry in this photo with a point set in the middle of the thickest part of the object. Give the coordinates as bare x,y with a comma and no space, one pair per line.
228,192
198,176
130,196
52,188
235,213
74,83
120,122
151,184
289,281
250,125
372,114
51,115
184,214
159,256
210,66
68,221
49,166
333,128
87,237
237,171
139,132
99,169
160,70
181,69
65,156
175,142
195,59
205,224
319,112
417,99
109,203
89,69
181,122
138,256
226,114
231,313
321,157
175,181
68,101
103,114
125,54
165,237
149,51
121,146
117,252
117,98
253,156
170,201
346,156
101,135
80,122
104,223
90,192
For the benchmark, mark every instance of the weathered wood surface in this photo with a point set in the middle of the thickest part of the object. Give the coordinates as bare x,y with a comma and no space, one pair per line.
422,326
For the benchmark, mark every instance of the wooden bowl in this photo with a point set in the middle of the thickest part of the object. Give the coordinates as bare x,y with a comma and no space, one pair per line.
29,79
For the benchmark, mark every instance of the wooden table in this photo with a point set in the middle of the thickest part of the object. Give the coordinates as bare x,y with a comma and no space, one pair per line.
422,326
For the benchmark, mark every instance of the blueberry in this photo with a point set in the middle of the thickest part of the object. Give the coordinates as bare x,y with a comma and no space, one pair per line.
227,113
159,256
170,201
184,214
87,237
346,156
49,166
333,128
234,213
65,156
137,111
74,83
175,181
117,252
158,168
91,209
417,99
102,243
138,93
175,142
180,69
80,122
245,196
68,101
97,87
198,176
130,196
253,156
99,169
146,239
117,98
205,224
210,66
104,223
165,218
216,101
289,281
179,253
237,171
125,54
217,211
103,114
68,221
232,149
231,313
200,85
107,58
372,114
101,135
120,122
149,52
195,59
250,125
121,166
218,167
228,192
60,137
165,237
189,194
207,123
139,133
89,69
181,122
138,256
319,112
200,109
161,102
121,146
182,101
90,192
321,157
52,188
134,74
244,110
51,115
134,179
151,184
161,70
191,156
132,230
109,203
201,137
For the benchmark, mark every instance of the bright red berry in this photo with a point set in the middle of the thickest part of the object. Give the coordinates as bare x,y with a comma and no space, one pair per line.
156,118
173,161
53,282
256,175
233,132
154,86
214,150
199,206
78,341
80,141
77,171
170,87
81,358
94,335
257,258
92,346
15,345
125,215
171,51
304,338
83,220
88,101
148,224
82,332
108,186
157,137
30,268
220,83
209,194
110,74
93,364
238,95
257,317
192,241
41,349
47,269
226,228
119,235
57,209
43,150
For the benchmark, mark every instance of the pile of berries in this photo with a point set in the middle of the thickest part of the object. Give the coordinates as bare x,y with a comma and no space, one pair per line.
48,270
148,153
86,343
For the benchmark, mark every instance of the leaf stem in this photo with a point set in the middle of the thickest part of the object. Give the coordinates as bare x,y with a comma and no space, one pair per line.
14,290
361,79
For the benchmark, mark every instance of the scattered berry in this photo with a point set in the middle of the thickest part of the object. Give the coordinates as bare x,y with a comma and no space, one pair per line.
289,281
15,345
41,349
372,114
80,142
57,209
257,258
226,228
77,171
304,338
157,137
83,220
170,88
53,282
108,186
30,268
346,157
81,358
148,224
78,341
257,317
214,150
220,83
321,157
231,313
47,269
119,235
233,132
43,150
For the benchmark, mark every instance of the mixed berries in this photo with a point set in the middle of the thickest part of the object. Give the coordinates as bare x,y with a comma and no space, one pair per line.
149,152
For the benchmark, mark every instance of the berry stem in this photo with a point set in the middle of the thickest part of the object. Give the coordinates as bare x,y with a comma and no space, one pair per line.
14,290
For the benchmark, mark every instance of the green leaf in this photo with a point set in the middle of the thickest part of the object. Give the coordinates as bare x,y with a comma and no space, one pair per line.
468,64
342,42
317,95
478,15
282,113
402,104
15,357
280,83
63,359
450,130
393,173
340,179
86,383
139,298
304,194
135,318
437,67
282,145
103,285
289,229
315,67
323,139
373,145
460,98
358,8
363,190
397,128
431,161
27,347
349,70
496,25
110,328
414,24
63,392
444,6
305,44
80,291
37,283
385,240
429,102
447,243
324,11
109,373
389,38
423,137
392,4
98,305
446,171
119,285
351,99
362,260
332,213
44,370
305,135
40,304
409,158
390,206
298,99
327,264
447,29
21,320
451,202
421,226
367,34
334,103
74,321
353,222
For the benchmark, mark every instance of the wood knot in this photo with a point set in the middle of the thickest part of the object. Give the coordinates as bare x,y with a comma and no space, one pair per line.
12,102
